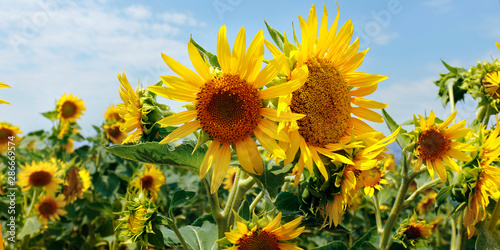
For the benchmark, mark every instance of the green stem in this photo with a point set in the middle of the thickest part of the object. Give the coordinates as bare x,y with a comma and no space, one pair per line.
452,98
494,217
28,213
461,233
171,223
215,208
254,202
378,218
243,188
453,241
421,189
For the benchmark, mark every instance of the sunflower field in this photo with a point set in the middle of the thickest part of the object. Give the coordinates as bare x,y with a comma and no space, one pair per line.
269,153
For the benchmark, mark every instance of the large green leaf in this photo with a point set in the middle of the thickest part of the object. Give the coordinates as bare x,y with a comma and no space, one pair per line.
197,238
367,241
485,238
31,227
287,201
335,245
273,177
182,156
180,197
402,139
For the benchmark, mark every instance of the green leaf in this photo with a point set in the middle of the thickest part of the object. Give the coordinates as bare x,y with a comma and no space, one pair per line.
180,197
107,185
287,201
197,238
31,227
156,238
51,115
212,59
151,152
277,37
334,245
450,68
486,239
273,177
402,139
244,210
443,194
371,237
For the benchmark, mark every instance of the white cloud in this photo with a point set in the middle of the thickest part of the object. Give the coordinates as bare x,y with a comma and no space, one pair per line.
440,5
385,37
80,49
180,19
138,12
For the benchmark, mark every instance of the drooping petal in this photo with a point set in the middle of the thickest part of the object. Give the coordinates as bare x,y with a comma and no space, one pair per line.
365,103
221,164
269,143
367,114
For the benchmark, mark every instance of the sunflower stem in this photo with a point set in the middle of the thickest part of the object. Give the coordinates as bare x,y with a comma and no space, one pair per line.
242,189
453,241
28,213
254,202
494,217
452,99
421,189
378,218
462,230
232,194
398,204
215,208
171,223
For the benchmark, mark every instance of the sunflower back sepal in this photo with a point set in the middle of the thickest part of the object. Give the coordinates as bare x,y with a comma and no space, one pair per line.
181,156
402,139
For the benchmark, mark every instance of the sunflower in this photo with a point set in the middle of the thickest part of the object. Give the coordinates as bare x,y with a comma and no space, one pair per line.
112,115
412,230
427,202
150,181
135,219
331,90
69,147
491,84
130,110
229,104
8,133
69,108
114,134
2,86
372,179
435,145
50,208
267,237
77,181
229,178
42,174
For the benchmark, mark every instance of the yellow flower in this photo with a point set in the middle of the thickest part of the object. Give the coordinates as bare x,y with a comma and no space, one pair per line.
68,147
8,133
267,237
50,208
229,178
150,181
435,144
426,204
372,179
114,134
2,86
412,230
42,174
77,181
491,84
69,108
228,104
130,110
112,115
328,96
498,45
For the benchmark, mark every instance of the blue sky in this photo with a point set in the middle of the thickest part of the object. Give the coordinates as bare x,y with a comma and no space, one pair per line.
52,47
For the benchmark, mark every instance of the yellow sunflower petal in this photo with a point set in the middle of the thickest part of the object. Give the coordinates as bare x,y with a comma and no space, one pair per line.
430,119
367,114
458,155
283,246
271,129
272,115
3,85
221,164
361,79
233,237
254,155
239,50
365,103
269,143
364,91
498,45
181,70
430,168
447,121
198,63
173,94
244,156
223,50
354,63
273,224
242,228
178,118
181,131
451,163
209,158
440,170
268,73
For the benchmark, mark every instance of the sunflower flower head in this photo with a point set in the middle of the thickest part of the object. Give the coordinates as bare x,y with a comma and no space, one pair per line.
412,230
40,175
114,133
150,181
76,182
135,220
69,108
139,110
332,93
265,237
8,133
2,86
50,208
426,204
229,178
228,103
112,115
436,145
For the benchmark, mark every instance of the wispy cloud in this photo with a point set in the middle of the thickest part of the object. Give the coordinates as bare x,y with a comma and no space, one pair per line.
440,5
79,49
